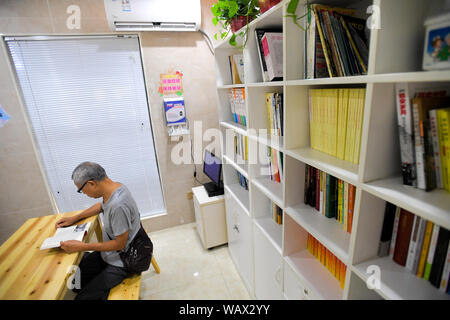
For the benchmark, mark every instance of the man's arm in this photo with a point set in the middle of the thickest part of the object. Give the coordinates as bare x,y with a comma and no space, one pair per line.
68,221
119,243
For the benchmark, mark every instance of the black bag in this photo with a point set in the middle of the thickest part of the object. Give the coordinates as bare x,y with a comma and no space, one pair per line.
139,254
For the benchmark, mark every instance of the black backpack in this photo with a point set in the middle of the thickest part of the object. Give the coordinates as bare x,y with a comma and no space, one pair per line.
139,254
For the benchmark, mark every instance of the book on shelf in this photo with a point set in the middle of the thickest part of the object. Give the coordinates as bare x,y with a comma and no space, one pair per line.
272,43
243,182
335,266
275,164
403,237
426,177
240,147
237,68
336,117
335,43
443,120
439,258
413,242
259,33
277,213
236,98
394,232
329,196
446,273
425,246
386,231
274,103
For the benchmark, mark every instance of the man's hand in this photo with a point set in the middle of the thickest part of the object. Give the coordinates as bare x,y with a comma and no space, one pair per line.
65,222
72,246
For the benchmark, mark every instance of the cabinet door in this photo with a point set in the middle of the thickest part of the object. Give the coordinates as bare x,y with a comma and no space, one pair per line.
268,268
239,239
198,220
294,288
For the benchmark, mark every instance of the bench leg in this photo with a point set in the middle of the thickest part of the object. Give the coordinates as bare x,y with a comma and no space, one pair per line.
155,265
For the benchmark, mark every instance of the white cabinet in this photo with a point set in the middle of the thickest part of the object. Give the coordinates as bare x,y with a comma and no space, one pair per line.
240,239
294,289
268,268
210,218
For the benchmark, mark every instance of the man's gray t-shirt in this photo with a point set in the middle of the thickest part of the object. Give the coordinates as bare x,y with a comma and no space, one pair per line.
120,214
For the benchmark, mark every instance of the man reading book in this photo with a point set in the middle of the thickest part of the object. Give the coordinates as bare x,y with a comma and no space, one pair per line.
102,269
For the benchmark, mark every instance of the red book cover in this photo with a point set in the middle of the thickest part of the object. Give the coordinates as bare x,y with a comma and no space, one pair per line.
317,189
403,236
351,205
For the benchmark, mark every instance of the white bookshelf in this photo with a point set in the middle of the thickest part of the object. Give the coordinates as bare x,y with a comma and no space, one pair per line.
280,264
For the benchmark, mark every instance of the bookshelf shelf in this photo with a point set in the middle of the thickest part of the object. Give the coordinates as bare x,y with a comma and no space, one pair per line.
326,230
433,206
275,142
376,177
271,189
239,128
272,231
242,168
338,168
315,275
397,282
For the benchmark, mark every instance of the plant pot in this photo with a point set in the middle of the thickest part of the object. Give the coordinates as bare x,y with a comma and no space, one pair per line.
238,22
265,5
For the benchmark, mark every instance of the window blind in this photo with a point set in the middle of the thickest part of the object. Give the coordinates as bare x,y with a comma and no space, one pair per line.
86,101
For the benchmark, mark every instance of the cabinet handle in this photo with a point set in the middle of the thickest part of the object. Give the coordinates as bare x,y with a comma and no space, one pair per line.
236,228
277,275
305,291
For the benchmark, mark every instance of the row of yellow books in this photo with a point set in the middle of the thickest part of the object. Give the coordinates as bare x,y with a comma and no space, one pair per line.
336,118
335,266
277,213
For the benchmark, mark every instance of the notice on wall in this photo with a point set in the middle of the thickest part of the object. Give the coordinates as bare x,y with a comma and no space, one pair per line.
4,117
171,83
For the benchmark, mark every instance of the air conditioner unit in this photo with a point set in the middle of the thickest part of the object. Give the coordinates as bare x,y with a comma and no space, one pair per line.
153,15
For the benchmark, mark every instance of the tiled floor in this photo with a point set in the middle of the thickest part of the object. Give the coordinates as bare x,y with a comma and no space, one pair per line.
188,271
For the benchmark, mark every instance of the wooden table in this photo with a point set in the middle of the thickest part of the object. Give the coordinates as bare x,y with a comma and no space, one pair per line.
28,273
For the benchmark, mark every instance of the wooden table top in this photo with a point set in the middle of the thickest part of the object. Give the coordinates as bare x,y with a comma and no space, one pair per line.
28,273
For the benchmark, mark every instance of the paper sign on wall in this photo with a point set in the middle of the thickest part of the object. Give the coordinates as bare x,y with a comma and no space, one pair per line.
4,117
171,84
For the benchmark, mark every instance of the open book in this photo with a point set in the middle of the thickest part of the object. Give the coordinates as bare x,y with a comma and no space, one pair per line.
64,234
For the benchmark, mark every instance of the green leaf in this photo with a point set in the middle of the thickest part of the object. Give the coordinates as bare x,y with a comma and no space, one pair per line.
215,36
292,6
233,40
215,20
223,35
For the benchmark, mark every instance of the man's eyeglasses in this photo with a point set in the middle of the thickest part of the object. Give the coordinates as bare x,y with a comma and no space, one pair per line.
81,188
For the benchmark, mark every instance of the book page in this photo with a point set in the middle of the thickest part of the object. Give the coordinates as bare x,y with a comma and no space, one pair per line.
64,234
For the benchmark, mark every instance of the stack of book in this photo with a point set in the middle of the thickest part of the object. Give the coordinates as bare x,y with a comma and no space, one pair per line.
337,268
270,51
242,181
331,197
336,43
424,123
236,97
336,119
274,102
240,147
277,213
421,246
237,68
275,165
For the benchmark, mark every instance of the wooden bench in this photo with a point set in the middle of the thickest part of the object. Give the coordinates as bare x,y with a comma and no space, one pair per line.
129,288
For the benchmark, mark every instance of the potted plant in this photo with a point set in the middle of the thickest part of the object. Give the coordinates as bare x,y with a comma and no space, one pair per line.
233,15
265,5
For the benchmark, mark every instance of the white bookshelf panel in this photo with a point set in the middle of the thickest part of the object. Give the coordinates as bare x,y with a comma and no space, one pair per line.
241,167
433,206
239,128
328,231
398,283
240,195
271,189
358,289
273,231
338,168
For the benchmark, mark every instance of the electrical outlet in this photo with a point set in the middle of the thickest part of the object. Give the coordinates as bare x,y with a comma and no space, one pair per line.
190,195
